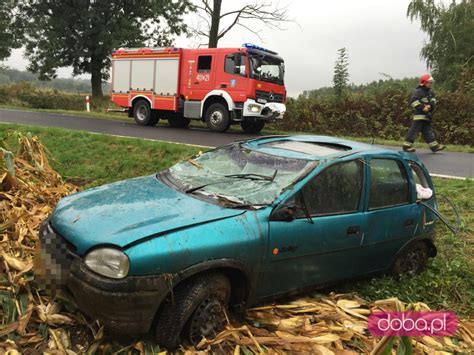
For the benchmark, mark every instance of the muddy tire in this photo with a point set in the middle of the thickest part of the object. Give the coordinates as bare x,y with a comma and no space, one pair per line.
217,118
410,261
143,114
179,122
252,125
196,309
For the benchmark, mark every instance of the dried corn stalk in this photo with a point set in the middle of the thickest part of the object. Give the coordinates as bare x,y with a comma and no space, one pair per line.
29,320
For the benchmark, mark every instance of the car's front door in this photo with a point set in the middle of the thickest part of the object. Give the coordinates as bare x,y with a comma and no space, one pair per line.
392,213
323,248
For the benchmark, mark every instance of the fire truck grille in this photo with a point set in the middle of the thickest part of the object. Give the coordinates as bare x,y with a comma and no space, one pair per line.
265,96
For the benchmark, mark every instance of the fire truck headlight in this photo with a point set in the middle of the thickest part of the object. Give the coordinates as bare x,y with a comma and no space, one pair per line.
254,108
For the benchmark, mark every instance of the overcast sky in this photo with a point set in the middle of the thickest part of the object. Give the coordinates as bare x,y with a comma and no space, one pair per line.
377,34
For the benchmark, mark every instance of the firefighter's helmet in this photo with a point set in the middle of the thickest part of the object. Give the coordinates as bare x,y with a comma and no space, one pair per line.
426,78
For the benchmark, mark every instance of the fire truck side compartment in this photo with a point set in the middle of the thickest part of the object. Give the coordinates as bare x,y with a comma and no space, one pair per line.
141,78
121,79
166,76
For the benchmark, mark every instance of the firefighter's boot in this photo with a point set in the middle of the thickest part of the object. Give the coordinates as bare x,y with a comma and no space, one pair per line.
437,148
407,147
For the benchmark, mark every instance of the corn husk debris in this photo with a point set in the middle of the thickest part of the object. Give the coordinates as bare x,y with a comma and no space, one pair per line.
32,322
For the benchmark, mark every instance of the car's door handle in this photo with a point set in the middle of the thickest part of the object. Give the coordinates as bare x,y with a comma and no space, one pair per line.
223,86
409,222
353,230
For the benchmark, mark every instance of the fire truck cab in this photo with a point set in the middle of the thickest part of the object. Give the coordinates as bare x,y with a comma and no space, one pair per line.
220,86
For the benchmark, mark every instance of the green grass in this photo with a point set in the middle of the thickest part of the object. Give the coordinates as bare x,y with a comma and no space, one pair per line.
236,128
91,160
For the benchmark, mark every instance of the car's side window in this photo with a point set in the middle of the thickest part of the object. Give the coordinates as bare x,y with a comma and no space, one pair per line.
388,183
335,190
419,175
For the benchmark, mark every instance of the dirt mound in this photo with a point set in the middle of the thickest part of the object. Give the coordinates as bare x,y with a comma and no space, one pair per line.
32,322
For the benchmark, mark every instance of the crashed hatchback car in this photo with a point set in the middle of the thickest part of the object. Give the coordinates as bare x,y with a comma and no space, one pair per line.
240,224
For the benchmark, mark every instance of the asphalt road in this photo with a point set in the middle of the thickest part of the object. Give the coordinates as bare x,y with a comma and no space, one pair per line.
443,163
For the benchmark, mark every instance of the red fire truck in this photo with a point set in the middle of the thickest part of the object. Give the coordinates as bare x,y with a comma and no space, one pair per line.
220,86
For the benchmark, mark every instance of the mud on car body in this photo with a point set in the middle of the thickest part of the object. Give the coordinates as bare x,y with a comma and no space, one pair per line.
248,221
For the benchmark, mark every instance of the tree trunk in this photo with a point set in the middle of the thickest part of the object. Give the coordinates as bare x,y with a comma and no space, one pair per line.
96,83
216,17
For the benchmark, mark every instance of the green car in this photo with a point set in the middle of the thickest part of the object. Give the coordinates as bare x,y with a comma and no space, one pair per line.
244,223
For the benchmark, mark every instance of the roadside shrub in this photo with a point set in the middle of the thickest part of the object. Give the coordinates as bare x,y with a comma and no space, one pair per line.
27,95
380,114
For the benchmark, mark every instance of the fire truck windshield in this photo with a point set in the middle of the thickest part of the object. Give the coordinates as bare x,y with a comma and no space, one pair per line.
266,68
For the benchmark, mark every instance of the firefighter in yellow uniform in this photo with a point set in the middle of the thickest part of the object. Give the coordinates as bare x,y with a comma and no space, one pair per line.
423,103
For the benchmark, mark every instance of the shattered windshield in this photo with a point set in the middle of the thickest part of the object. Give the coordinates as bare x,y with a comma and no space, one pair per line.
240,175
266,68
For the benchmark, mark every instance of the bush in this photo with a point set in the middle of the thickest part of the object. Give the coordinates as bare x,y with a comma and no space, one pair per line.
27,95
381,114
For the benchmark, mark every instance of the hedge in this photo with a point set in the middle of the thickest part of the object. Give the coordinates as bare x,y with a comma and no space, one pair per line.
382,115
26,95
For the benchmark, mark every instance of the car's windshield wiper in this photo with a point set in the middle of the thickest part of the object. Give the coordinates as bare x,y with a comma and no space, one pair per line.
249,176
253,176
196,188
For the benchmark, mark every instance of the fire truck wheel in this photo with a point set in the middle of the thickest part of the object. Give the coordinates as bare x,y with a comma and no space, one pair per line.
252,125
142,113
179,122
217,118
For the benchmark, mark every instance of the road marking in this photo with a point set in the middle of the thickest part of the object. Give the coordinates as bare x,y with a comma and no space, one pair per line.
449,177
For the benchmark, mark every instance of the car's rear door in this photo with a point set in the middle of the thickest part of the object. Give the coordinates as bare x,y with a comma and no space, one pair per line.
392,212
304,253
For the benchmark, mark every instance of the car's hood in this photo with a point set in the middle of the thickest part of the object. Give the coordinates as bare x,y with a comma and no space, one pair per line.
127,211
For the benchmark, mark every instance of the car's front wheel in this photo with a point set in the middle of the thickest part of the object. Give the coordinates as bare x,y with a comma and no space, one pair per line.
411,261
195,310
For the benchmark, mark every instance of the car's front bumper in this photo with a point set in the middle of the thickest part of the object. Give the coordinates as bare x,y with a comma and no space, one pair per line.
126,306
269,111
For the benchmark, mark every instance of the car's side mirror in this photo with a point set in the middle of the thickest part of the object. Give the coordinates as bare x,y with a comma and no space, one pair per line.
284,214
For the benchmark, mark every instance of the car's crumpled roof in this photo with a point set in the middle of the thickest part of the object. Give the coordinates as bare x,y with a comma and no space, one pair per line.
313,147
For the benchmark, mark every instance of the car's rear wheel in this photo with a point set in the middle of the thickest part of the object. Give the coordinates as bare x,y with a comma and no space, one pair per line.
217,118
411,261
252,125
179,121
195,310
143,114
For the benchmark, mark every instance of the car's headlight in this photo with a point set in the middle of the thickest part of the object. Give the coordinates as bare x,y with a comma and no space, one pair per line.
108,262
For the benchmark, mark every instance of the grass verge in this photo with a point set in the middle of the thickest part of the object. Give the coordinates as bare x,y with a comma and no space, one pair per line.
268,131
90,160
93,159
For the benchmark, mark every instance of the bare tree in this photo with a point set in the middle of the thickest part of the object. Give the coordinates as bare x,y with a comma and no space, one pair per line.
211,18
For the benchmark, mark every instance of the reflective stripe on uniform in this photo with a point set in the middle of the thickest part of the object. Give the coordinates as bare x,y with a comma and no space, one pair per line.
420,118
433,144
415,103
